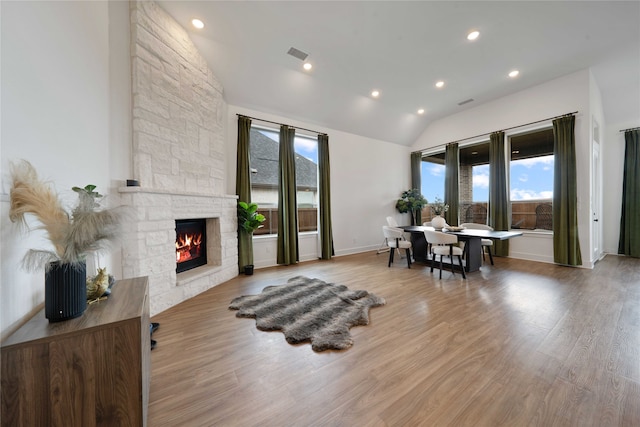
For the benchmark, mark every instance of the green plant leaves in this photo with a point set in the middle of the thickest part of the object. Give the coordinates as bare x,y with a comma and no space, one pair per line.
248,218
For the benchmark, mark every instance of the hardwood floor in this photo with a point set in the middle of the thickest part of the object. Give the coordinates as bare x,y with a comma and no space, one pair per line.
516,344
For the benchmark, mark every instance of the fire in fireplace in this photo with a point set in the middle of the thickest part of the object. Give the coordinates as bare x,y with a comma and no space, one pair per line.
191,244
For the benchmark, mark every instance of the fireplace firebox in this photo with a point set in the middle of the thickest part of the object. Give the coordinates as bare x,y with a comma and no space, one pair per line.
191,244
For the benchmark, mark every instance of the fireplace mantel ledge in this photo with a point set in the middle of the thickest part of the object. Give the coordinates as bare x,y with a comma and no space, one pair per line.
172,192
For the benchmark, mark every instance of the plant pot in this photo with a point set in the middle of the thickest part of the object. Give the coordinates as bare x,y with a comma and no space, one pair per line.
248,270
65,291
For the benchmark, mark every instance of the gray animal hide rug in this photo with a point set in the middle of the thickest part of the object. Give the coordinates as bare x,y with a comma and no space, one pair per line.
309,310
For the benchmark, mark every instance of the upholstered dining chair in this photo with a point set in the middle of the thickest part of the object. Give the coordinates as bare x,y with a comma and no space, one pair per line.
395,241
391,222
487,244
442,244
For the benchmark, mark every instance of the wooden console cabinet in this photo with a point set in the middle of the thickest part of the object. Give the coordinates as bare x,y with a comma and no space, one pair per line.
90,371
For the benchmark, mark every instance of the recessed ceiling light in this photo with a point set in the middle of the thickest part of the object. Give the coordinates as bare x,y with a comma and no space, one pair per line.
307,66
197,23
375,93
514,73
421,111
440,83
473,35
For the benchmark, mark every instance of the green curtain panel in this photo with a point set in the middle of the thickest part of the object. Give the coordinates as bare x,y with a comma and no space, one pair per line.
326,231
629,243
416,179
499,211
243,189
566,244
451,183
287,203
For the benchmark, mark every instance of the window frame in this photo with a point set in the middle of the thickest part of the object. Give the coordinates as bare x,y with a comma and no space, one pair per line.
545,125
270,209
522,130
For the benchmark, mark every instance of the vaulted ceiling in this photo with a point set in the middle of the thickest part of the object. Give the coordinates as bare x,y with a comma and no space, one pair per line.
402,49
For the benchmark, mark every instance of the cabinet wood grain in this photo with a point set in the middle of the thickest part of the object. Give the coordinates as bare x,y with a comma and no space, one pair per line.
89,371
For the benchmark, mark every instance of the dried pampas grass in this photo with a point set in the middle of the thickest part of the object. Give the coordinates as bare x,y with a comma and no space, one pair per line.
85,231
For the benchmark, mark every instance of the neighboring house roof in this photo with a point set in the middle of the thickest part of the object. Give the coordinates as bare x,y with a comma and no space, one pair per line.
264,153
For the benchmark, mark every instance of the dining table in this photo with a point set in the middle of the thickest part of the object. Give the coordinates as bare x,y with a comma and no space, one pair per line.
471,237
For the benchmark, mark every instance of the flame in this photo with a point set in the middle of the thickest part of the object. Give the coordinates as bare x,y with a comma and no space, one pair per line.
188,247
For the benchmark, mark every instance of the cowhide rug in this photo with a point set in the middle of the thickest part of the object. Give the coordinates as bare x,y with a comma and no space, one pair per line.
309,310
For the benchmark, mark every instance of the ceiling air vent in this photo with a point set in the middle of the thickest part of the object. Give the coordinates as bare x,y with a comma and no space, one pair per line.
298,54
465,101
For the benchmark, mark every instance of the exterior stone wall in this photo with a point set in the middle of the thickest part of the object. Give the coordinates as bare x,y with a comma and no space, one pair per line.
178,152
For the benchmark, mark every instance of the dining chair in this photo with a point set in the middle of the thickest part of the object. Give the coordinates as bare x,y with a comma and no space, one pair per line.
395,241
428,224
391,222
487,244
384,247
443,244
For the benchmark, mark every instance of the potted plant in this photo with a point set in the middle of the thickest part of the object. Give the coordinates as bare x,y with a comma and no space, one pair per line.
249,220
411,201
86,230
439,208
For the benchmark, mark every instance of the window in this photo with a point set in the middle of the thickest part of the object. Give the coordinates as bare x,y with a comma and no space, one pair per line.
531,180
432,172
474,182
264,155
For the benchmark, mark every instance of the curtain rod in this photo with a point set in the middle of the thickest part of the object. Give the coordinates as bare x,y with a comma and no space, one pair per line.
281,124
635,128
489,133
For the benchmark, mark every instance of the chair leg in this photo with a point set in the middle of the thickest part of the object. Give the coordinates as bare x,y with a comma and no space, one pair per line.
464,276
490,256
384,247
433,259
408,258
390,256
440,266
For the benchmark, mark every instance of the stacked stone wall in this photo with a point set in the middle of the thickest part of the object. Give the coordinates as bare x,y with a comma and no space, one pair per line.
178,152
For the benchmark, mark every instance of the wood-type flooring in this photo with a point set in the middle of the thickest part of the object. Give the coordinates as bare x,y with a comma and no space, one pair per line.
519,343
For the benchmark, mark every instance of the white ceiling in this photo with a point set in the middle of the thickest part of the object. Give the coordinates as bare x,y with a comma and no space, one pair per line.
402,49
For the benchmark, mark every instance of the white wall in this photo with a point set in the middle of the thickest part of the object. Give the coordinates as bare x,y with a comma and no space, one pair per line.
56,114
367,177
560,96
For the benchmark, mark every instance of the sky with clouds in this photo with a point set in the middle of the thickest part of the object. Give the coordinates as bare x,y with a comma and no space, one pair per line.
530,179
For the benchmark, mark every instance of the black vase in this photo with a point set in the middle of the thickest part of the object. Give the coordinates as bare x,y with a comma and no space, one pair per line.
65,291
248,270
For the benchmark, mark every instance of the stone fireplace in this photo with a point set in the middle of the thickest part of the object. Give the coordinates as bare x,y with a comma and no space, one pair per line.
178,157
150,245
